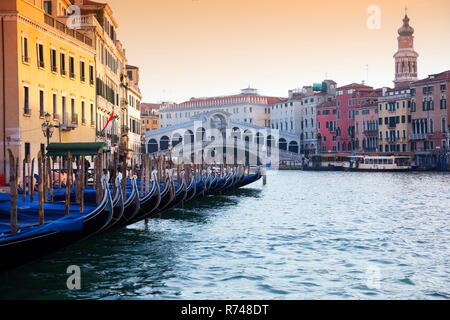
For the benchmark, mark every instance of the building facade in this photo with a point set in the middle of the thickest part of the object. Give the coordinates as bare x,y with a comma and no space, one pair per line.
430,113
131,121
248,106
394,122
326,123
366,127
347,99
97,21
49,69
150,116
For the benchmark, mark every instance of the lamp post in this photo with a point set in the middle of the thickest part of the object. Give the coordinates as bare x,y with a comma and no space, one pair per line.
47,128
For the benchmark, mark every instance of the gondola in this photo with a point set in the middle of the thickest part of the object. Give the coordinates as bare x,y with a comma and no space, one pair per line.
180,195
34,242
149,203
167,195
225,182
118,207
191,190
130,206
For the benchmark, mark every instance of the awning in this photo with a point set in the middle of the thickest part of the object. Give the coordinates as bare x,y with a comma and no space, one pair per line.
76,149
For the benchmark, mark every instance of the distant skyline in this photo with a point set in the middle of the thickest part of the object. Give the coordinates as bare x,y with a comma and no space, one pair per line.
197,48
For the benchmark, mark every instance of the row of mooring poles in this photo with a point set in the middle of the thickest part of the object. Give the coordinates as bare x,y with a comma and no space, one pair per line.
47,182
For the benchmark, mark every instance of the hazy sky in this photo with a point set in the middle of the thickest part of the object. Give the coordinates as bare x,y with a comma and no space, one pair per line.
193,48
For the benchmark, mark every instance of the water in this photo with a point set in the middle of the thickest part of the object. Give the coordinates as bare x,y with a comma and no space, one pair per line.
305,235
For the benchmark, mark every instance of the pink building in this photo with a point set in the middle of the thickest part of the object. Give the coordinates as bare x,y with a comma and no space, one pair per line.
326,126
366,126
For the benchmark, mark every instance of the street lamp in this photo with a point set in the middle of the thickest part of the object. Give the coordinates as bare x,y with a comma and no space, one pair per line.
47,128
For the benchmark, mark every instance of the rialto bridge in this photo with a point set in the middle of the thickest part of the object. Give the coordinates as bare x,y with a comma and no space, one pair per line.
212,137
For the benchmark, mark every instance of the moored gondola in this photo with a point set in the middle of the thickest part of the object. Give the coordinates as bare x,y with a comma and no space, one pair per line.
34,242
130,206
149,203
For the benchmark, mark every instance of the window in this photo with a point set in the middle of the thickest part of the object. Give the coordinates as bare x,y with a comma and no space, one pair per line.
92,114
40,55
82,72
443,103
41,103
72,67
83,119
55,107
444,125
443,87
25,56
91,74
63,63
26,101
53,60
27,151
48,7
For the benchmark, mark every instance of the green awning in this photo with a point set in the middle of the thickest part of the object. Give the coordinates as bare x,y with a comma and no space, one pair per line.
76,149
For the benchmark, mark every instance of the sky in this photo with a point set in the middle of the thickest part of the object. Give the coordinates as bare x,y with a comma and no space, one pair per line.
198,48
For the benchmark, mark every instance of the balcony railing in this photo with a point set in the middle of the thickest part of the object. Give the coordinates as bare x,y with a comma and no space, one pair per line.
84,21
63,72
370,132
41,64
72,75
54,69
56,116
25,59
83,78
392,125
418,136
74,118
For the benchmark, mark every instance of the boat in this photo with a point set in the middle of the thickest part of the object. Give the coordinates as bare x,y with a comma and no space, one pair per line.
380,163
191,190
290,165
327,162
32,242
149,203
167,195
131,206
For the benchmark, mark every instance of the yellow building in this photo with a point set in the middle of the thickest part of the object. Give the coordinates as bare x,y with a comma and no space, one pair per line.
394,122
48,68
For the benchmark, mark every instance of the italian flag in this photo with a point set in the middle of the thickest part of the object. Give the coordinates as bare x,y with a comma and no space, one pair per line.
110,122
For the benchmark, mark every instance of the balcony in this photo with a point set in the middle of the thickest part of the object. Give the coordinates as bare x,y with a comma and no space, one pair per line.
392,125
370,132
82,78
123,102
418,136
27,111
66,125
75,22
124,129
74,118
72,75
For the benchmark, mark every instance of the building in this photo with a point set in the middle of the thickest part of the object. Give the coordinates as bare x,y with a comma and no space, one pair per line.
430,114
306,101
150,116
248,106
97,21
366,126
394,119
131,121
326,124
347,99
48,68
405,58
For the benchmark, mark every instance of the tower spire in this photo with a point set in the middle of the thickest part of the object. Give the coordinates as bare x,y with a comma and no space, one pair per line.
406,57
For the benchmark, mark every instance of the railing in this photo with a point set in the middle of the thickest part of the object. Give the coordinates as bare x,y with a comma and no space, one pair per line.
74,118
54,69
65,118
56,116
124,129
63,72
392,125
26,59
370,132
41,64
83,78
72,75
123,102
84,21
418,136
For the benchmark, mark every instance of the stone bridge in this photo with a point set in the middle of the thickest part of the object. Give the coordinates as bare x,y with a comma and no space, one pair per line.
213,137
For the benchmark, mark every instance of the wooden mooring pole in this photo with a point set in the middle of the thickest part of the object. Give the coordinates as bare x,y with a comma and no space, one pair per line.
13,191
41,164
68,182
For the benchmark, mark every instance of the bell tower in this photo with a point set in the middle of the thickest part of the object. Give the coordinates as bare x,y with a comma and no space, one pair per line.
405,57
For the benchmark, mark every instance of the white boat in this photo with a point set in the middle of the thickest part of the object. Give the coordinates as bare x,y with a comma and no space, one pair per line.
381,163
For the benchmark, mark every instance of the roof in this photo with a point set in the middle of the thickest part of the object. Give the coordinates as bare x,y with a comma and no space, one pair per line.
433,77
331,103
76,149
128,66
357,86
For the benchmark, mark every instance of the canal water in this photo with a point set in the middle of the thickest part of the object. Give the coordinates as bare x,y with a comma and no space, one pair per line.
305,235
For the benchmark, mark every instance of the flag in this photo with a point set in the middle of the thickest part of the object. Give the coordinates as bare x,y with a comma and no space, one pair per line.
110,121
